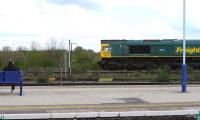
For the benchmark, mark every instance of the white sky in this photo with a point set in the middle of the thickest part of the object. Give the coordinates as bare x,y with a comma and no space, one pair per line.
86,22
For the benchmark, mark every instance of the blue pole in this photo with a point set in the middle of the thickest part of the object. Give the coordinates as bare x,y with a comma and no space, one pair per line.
184,72
183,78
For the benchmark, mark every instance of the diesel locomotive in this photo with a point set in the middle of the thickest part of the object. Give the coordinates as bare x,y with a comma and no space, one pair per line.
145,54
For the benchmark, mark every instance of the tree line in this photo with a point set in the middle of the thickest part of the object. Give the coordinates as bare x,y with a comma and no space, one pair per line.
82,60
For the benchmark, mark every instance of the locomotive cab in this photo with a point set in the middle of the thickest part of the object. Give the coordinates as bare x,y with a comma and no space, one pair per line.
105,51
110,53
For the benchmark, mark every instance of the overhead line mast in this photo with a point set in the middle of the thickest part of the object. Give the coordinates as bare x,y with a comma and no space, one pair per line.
184,68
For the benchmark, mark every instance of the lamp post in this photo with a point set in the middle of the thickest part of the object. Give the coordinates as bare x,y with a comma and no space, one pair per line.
69,57
184,67
65,63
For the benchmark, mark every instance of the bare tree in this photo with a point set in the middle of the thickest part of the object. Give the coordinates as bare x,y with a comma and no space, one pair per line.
55,52
21,48
7,54
62,44
7,48
51,44
35,46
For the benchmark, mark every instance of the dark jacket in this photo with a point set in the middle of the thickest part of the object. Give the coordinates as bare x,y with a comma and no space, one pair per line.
10,67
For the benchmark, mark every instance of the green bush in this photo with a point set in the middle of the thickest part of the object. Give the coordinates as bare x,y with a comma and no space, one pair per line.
196,77
41,79
163,76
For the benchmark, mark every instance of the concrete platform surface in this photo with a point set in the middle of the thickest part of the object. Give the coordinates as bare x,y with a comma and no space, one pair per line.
38,99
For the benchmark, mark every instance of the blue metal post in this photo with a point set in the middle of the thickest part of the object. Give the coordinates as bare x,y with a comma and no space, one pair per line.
21,83
184,71
20,93
183,78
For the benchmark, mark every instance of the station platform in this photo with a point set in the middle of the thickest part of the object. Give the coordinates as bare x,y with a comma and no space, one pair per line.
101,98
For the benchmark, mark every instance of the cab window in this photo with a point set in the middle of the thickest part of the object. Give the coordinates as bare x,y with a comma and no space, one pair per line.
106,49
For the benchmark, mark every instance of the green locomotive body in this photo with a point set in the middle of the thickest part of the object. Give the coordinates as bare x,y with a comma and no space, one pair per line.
141,54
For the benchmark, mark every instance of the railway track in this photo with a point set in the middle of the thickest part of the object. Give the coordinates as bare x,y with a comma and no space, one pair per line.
117,77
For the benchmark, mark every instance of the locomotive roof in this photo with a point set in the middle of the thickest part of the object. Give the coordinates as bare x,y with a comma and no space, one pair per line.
153,41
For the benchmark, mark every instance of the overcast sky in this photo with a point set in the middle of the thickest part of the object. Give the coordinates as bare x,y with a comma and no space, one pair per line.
86,22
